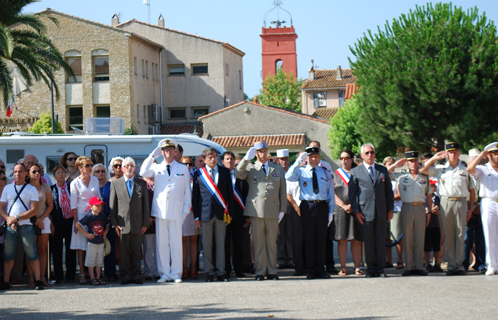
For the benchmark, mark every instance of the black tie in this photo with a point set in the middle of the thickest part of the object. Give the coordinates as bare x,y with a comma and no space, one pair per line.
169,172
315,182
264,170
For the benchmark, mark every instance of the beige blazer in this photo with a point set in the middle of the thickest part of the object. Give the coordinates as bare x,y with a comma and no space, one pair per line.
267,195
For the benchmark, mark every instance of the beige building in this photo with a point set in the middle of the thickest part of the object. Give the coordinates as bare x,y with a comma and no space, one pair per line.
326,90
199,75
117,75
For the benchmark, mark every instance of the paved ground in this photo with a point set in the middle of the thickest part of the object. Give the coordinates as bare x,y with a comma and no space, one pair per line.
433,297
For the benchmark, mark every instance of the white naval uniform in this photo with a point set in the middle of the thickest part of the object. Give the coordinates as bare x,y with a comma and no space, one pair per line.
170,205
454,187
488,193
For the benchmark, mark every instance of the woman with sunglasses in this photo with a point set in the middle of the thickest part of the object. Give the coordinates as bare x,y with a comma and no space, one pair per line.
68,161
188,235
115,168
43,222
100,172
83,189
346,227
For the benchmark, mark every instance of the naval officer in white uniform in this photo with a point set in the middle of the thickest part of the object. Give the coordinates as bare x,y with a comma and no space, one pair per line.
170,205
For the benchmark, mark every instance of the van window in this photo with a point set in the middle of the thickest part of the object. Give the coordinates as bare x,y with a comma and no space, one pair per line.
14,155
98,156
51,163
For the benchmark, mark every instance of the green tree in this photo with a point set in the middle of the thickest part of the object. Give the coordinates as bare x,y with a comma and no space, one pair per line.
282,90
24,44
430,76
343,133
44,124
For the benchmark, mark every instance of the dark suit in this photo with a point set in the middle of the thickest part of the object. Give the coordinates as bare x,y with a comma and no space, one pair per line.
132,214
63,231
373,199
210,213
235,231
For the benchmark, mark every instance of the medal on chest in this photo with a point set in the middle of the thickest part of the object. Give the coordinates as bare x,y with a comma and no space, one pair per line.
305,184
404,188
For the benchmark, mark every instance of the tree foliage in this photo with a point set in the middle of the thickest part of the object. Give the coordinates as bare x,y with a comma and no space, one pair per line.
44,124
430,76
343,133
24,44
282,90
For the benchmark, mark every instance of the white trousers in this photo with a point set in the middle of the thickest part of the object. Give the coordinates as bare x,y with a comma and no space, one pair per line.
489,216
150,261
169,248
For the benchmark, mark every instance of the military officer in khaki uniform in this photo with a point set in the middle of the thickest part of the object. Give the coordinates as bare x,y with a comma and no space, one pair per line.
455,185
414,189
266,204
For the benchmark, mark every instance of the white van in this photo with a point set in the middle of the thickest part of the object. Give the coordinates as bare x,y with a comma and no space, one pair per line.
100,148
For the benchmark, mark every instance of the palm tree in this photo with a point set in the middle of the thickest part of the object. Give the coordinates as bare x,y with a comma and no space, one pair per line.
24,44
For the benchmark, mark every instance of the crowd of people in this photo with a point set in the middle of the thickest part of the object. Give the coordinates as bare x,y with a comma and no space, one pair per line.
254,215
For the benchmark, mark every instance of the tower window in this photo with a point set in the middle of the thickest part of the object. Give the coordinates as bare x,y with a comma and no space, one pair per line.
278,65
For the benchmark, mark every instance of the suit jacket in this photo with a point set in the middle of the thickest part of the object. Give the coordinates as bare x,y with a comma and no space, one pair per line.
204,205
234,208
57,216
130,213
267,195
367,196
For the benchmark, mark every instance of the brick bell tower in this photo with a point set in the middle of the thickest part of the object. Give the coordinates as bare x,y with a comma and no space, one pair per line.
278,44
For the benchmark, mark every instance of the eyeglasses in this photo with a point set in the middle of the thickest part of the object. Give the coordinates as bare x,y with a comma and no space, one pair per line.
344,158
35,171
60,172
3,179
116,166
369,152
88,165
71,159
99,171
129,166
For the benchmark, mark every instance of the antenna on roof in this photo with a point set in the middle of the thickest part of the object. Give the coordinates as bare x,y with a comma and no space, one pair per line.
147,3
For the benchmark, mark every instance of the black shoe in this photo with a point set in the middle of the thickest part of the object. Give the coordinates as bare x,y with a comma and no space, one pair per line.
59,282
249,270
125,281
388,265
223,278
240,274
282,266
429,268
209,278
332,270
408,273
310,276
419,272
39,285
139,281
322,275
148,278
272,277
450,273
382,275
298,273
4,285
370,275
460,273
437,269
260,278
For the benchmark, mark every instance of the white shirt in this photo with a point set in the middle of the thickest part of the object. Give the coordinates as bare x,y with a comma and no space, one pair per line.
215,172
294,191
488,178
397,203
28,194
367,166
233,177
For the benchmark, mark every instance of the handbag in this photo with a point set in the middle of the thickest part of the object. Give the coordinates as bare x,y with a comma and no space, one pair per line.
107,247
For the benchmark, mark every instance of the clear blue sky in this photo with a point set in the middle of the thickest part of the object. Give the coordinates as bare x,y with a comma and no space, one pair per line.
325,28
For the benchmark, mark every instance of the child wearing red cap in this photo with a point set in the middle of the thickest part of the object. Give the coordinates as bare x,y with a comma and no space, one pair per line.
98,226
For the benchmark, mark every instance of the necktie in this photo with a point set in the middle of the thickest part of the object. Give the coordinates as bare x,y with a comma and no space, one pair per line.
371,173
65,203
169,172
211,173
130,187
315,182
264,170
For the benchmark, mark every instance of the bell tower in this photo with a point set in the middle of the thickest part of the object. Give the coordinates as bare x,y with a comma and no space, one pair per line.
278,43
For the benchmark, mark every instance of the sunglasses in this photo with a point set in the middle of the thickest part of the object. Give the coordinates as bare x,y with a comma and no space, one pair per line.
35,171
71,159
116,166
3,179
188,164
344,158
369,152
99,171
88,165
2,166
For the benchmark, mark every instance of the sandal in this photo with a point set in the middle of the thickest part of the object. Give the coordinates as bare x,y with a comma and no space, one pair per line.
31,283
359,272
102,282
185,273
45,283
193,273
342,272
400,265
82,279
94,282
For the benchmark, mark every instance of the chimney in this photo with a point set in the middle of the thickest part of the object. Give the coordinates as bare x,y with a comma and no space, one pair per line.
115,20
339,73
311,72
160,21
255,99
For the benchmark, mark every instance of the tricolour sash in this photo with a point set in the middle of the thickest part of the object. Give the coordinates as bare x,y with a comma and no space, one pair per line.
343,175
208,181
238,197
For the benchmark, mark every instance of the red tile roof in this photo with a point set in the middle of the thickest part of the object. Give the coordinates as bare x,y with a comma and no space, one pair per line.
181,128
325,113
299,114
325,79
272,140
351,89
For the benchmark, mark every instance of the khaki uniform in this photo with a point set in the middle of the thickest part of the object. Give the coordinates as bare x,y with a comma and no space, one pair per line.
454,187
413,192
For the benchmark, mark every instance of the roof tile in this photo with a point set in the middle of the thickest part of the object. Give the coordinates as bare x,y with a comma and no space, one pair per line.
181,128
272,140
325,113
327,79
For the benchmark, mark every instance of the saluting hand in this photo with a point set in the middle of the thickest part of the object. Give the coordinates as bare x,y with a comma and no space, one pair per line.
440,155
400,163
251,153
156,153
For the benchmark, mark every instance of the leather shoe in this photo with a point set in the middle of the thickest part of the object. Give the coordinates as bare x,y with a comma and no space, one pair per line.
382,275
370,275
240,274
408,273
272,277
139,281
322,275
125,281
460,273
209,278
419,272
223,278
310,276
450,273
298,273
282,266
260,278
332,270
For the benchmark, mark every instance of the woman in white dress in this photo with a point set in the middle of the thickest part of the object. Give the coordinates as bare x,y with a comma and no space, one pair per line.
83,189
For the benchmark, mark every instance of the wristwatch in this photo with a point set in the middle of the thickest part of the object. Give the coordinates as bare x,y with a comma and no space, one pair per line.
17,217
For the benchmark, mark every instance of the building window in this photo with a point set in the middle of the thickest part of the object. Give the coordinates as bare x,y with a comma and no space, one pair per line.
143,68
147,69
157,72
101,68
102,111
75,64
153,71
76,117
135,67
200,69
176,69
177,113
320,99
278,65
199,112
240,79
138,113
341,98
145,114
226,69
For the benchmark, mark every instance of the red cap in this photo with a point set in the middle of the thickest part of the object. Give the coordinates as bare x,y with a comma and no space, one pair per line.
95,201
433,182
